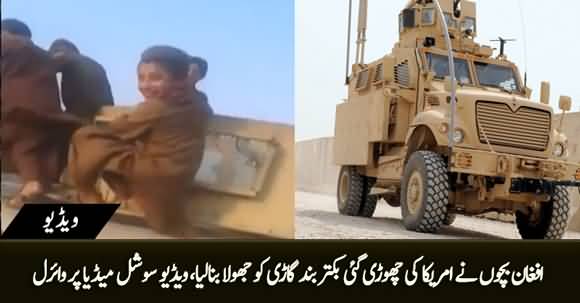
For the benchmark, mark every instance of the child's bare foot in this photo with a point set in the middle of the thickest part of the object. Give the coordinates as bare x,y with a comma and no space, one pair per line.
17,201
31,190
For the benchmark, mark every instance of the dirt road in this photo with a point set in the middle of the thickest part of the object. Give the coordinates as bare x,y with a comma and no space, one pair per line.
318,218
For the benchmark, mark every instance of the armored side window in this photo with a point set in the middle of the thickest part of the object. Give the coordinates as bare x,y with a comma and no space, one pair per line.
409,18
428,16
468,24
362,79
451,22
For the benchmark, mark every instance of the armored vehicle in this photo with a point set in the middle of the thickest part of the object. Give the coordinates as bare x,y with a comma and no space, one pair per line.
441,126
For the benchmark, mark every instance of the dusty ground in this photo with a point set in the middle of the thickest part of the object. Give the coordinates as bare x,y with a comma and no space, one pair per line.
318,218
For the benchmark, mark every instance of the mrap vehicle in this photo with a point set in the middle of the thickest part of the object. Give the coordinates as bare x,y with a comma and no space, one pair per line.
441,126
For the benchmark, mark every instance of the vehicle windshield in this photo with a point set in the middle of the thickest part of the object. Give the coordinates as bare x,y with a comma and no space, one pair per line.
499,76
440,66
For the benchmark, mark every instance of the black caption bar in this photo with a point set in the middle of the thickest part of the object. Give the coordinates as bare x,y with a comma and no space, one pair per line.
419,269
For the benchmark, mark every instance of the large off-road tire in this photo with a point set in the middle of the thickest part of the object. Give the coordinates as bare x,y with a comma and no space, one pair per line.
353,193
551,221
425,192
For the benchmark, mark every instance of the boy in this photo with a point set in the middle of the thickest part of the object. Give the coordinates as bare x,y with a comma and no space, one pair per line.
152,155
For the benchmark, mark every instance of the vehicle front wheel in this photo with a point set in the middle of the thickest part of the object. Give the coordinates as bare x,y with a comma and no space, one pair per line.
550,221
425,192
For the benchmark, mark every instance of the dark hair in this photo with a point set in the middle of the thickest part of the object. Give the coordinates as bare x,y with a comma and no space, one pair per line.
16,27
64,43
202,65
175,61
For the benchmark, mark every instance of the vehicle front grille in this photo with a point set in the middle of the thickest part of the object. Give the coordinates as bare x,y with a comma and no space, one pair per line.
526,128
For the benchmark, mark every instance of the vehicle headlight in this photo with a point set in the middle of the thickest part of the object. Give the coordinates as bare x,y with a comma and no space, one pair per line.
559,150
458,136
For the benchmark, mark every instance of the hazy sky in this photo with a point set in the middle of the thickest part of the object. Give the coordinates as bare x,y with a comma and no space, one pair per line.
321,26
248,44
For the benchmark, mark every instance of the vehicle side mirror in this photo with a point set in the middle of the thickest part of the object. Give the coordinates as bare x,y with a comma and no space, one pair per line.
528,92
565,103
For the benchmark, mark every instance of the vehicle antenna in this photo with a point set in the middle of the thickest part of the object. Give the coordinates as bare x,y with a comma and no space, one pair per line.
502,43
348,42
525,42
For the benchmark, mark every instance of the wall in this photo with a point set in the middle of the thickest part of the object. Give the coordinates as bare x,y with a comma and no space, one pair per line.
571,127
314,169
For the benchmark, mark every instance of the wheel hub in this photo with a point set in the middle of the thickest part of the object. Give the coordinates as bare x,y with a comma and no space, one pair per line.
344,180
414,192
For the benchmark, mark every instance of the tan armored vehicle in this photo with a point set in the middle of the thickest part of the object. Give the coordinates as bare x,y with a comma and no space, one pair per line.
437,143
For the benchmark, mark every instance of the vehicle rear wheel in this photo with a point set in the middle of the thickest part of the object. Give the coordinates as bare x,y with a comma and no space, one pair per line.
550,221
353,193
424,192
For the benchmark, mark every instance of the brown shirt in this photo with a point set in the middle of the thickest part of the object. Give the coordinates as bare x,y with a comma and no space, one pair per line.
28,77
34,129
157,142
